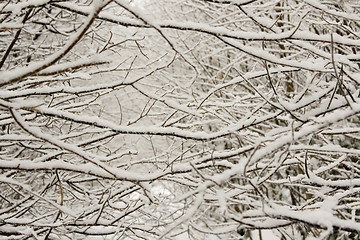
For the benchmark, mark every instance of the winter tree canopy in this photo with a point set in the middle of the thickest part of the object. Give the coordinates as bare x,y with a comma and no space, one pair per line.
179,119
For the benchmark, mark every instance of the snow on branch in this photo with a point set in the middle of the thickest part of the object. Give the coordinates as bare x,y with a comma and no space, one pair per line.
194,119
